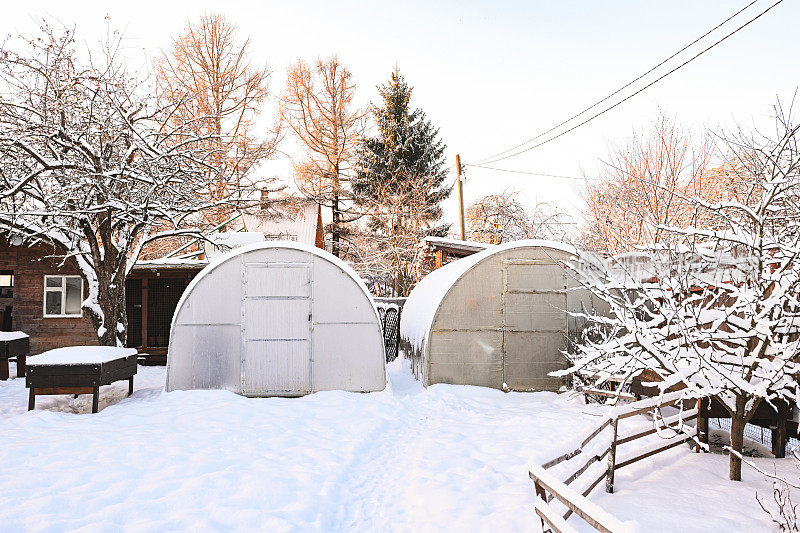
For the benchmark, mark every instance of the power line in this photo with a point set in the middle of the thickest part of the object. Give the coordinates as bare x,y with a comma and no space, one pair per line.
640,90
528,173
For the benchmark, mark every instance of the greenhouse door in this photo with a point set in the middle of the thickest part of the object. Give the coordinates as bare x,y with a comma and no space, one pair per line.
534,322
276,329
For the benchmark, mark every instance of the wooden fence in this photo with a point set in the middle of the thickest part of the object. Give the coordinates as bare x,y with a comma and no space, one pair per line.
549,487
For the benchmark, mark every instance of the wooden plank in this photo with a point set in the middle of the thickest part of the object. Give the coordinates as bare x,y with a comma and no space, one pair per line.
551,518
644,410
71,380
122,362
117,375
594,484
596,432
561,458
18,347
578,504
62,390
653,452
593,459
63,370
569,455
607,393
652,430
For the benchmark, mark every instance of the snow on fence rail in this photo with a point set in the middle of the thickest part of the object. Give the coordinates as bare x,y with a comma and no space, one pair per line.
548,487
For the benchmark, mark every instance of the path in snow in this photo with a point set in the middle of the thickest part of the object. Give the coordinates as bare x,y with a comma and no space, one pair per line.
444,458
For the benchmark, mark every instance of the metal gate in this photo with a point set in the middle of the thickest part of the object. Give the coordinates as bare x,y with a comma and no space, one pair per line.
389,311
276,328
534,321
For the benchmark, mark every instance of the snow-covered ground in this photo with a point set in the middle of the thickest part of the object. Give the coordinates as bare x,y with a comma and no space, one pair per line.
446,458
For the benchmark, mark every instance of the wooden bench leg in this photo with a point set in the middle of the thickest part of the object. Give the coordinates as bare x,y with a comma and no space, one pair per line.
21,365
130,386
31,399
4,369
95,399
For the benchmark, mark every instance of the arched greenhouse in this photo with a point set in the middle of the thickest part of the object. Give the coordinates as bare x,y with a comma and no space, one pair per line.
276,319
498,318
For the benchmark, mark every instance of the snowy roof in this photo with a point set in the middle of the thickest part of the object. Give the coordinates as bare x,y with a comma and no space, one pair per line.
170,262
473,246
423,302
80,355
12,335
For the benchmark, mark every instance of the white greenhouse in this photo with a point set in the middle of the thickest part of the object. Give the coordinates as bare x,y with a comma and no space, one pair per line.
498,318
276,319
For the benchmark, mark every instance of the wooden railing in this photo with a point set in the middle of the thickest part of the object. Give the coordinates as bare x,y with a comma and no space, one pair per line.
548,487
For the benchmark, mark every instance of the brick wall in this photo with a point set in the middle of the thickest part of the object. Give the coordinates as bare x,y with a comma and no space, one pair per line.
30,265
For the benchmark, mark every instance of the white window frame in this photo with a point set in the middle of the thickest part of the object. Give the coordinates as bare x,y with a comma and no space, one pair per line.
63,291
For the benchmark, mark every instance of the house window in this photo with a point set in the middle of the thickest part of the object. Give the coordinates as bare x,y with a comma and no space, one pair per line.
63,296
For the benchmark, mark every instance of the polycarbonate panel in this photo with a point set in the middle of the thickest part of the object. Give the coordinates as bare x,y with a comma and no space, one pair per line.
277,319
467,357
331,303
530,347
534,276
277,367
216,298
342,357
533,376
536,311
208,358
277,279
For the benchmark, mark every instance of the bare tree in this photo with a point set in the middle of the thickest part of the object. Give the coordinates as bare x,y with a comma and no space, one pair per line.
715,309
318,107
388,244
90,164
218,94
641,186
498,218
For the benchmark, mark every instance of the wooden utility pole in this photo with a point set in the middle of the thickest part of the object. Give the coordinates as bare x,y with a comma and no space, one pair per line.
460,199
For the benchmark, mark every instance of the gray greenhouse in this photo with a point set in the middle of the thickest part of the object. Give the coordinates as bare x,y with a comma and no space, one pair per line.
498,318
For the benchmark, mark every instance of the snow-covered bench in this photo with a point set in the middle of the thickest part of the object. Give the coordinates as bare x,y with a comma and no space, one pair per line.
13,344
79,370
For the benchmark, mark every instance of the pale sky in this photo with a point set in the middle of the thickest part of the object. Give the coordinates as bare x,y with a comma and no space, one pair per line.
493,74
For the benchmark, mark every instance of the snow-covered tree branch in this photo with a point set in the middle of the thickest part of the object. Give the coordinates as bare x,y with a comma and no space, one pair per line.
91,164
716,310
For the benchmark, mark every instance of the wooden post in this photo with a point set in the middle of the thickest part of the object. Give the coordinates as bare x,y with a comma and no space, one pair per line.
95,399
779,438
699,426
540,493
439,261
130,386
612,457
4,373
31,399
460,199
144,313
21,365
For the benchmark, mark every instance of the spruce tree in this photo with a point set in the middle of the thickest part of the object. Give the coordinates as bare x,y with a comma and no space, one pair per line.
407,149
400,184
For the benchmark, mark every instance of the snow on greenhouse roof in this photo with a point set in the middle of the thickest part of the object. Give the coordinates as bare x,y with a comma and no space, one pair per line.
423,302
